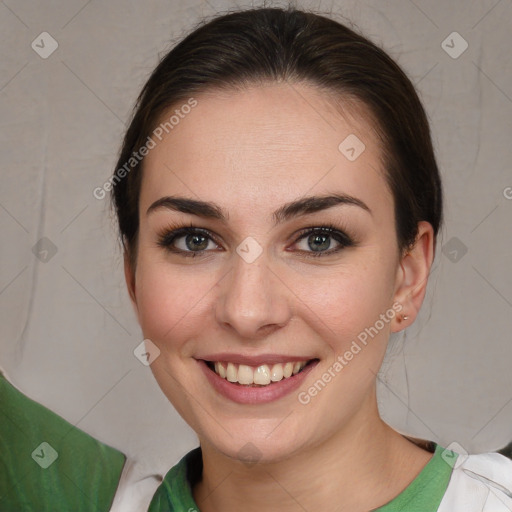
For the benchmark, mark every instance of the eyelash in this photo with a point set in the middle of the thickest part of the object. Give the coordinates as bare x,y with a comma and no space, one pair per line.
167,237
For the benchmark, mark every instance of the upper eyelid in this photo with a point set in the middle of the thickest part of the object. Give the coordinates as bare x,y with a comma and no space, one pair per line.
182,231
333,232
185,229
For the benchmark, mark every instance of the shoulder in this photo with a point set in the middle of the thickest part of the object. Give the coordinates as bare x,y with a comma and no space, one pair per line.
480,483
45,459
175,491
137,487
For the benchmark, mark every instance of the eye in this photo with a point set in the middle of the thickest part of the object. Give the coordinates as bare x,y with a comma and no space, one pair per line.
188,241
317,241
192,241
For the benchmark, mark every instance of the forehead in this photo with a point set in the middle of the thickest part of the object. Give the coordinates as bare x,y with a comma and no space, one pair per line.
276,141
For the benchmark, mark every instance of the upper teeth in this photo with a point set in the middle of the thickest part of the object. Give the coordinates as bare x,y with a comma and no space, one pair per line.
262,375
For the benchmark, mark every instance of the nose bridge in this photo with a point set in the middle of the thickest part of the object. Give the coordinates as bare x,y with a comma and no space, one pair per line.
251,299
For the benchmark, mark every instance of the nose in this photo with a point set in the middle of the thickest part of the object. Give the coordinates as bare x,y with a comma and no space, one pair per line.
252,301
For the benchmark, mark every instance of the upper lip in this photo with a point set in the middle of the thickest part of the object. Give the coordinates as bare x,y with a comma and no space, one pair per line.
256,360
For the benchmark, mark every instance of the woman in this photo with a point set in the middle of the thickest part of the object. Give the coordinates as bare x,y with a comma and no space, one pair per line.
278,202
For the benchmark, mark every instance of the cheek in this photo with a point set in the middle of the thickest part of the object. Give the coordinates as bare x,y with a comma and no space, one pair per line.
343,302
177,302
170,301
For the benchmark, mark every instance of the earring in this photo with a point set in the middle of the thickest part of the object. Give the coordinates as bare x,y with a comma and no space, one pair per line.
403,317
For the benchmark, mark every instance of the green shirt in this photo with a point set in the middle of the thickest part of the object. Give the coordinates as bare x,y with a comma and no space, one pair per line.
47,464
423,494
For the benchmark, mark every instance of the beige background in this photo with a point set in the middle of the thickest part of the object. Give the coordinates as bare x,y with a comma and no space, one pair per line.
68,330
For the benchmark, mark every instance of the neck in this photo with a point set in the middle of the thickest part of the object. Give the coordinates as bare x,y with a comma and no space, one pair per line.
359,468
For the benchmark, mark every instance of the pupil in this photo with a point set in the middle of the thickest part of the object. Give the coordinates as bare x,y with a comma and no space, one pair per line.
196,239
323,245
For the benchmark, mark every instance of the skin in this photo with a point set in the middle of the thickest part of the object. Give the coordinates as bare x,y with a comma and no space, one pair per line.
251,151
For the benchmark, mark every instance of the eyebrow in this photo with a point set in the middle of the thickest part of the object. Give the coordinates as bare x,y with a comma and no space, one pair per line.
297,208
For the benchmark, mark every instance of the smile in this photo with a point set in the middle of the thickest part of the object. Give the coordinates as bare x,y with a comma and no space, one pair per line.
251,379
262,375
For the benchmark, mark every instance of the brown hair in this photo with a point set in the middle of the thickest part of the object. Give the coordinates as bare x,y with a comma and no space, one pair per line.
272,44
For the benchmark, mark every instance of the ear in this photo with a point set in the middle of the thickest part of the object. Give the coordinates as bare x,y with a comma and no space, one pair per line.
412,276
129,276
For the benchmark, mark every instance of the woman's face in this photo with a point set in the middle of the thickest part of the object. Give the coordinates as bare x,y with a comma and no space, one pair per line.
255,293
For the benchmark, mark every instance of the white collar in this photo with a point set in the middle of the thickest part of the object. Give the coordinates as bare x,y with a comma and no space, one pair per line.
479,483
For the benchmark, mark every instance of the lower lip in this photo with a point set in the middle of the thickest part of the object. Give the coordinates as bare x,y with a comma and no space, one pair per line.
255,395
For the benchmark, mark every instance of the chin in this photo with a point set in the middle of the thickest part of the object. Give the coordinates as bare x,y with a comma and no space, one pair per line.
258,446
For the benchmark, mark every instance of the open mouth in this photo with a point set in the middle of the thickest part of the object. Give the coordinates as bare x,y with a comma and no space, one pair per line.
260,376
